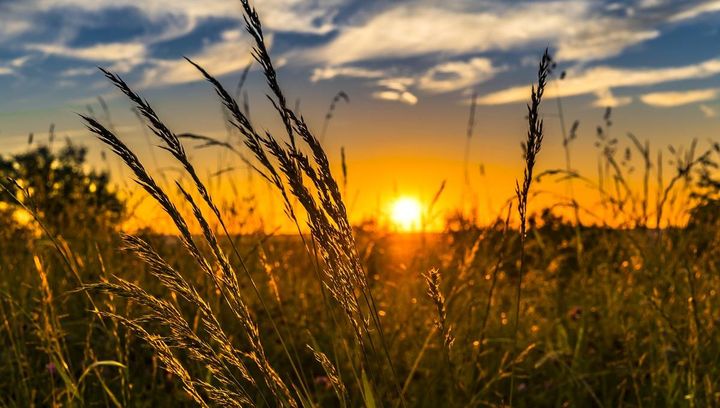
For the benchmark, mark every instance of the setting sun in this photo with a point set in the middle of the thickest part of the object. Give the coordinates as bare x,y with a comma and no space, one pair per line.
406,213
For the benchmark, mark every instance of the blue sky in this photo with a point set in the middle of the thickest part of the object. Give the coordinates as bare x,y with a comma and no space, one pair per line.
408,66
393,50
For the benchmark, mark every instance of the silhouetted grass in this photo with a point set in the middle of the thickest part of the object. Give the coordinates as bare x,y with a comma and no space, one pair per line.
526,311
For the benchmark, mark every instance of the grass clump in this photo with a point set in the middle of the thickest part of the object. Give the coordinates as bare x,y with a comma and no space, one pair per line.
533,311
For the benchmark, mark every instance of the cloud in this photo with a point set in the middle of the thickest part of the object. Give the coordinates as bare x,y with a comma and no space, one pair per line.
396,89
397,83
578,29
400,96
598,79
412,30
601,39
459,32
75,72
100,52
19,61
314,16
696,11
123,56
13,28
444,77
669,99
451,76
708,111
162,21
606,99
325,73
230,55
11,66
650,3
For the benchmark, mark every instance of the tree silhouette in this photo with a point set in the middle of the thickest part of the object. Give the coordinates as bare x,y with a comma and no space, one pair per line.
60,189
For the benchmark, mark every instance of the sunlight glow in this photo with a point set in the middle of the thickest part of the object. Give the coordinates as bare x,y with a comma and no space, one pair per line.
406,214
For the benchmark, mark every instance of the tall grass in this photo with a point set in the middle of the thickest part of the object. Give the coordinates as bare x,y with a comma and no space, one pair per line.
342,315
531,148
287,168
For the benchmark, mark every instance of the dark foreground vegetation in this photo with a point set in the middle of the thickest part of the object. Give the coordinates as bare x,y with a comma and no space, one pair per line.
629,319
533,310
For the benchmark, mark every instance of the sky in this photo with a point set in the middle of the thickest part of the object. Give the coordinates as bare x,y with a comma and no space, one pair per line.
409,68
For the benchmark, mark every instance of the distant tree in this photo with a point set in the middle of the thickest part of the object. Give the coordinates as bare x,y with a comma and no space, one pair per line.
66,196
707,192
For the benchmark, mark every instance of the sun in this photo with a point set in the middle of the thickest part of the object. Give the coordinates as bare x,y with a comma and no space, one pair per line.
406,213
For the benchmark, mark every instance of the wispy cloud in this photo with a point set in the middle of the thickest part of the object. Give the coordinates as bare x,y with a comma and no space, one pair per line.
397,83
400,96
599,79
442,47
605,99
75,72
10,28
443,77
602,38
330,72
696,10
451,76
708,111
230,55
313,16
578,29
163,21
100,52
11,66
670,99
396,89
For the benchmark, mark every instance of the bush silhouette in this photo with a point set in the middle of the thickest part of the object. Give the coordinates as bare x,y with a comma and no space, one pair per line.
59,189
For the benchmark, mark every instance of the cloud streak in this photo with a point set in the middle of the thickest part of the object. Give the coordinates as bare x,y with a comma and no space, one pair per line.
11,67
671,99
605,99
599,79
230,55
314,16
396,89
451,76
697,10
99,52
330,72
708,111
441,48
576,28
400,96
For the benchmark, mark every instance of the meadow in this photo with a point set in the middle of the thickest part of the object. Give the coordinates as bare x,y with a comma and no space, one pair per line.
535,309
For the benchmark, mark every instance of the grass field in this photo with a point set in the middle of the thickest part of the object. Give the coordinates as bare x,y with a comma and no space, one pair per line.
535,309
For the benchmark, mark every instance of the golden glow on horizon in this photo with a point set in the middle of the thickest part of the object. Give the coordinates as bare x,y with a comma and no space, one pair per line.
372,195
406,214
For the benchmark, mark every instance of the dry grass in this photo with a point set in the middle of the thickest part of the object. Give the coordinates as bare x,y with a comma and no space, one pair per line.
550,314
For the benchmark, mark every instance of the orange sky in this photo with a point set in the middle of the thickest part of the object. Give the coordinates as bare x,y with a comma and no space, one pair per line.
404,129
